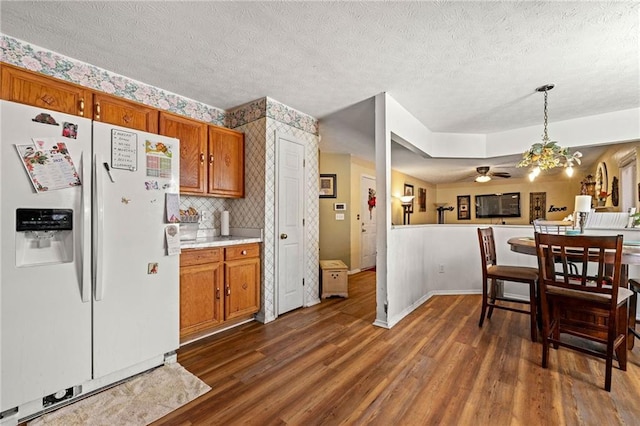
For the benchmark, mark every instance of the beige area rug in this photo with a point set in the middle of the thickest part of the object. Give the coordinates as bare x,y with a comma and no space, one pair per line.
139,401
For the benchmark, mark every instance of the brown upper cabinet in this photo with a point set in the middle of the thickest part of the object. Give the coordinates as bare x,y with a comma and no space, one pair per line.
118,111
193,146
211,157
29,88
226,162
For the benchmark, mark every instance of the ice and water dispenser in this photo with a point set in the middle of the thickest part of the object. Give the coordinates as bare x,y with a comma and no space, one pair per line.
44,236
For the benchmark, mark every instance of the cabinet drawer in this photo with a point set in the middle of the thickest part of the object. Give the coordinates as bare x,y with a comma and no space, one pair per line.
241,251
200,256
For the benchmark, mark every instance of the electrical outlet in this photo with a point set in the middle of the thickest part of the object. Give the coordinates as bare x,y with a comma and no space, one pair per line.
441,269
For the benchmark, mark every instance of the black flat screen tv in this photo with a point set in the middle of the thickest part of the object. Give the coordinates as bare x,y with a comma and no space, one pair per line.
498,205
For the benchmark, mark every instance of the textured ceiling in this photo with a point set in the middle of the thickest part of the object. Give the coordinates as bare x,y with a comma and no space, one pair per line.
464,67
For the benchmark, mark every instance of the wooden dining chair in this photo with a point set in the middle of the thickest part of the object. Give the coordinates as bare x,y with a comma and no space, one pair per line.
590,306
492,272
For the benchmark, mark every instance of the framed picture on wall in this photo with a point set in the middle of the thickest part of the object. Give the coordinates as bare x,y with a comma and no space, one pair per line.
408,190
464,207
422,199
328,186
537,206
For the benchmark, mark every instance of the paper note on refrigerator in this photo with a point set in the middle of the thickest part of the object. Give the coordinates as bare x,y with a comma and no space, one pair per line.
158,159
49,169
124,150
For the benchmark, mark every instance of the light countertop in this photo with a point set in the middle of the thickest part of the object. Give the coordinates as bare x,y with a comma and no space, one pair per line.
217,242
207,239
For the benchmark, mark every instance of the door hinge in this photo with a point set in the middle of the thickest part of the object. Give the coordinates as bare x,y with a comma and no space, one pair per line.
302,221
303,282
304,163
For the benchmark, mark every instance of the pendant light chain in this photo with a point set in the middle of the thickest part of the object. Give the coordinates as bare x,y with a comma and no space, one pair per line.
545,137
548,154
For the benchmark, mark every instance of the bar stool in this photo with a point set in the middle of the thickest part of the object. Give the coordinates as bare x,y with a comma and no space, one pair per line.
491,271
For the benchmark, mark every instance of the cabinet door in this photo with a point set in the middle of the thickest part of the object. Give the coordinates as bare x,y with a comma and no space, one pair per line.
242,288
113,110
30,88
226,162
193,149
200,297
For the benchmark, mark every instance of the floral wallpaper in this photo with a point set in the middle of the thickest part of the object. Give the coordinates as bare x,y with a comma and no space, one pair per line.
33,58
269,108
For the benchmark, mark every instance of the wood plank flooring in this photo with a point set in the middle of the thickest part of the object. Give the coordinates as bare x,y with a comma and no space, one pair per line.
328,365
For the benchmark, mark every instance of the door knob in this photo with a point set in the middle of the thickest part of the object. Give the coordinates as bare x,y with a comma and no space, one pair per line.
283,236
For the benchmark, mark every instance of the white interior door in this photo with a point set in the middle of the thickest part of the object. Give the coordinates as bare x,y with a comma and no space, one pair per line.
368,222
290,216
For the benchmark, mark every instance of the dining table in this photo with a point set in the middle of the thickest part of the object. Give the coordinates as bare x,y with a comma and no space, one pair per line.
630,256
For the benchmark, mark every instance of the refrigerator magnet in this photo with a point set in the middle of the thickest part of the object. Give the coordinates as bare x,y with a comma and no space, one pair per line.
151,184
69,130
152,268
45,118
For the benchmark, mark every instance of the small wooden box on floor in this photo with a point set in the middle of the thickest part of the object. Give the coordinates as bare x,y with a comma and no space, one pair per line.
334,278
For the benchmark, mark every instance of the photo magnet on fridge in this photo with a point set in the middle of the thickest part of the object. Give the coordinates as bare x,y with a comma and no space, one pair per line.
69,130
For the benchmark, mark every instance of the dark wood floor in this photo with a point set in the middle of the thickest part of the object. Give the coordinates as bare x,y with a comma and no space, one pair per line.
329,365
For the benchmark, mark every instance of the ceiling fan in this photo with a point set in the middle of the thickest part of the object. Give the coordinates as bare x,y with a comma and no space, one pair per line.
485,176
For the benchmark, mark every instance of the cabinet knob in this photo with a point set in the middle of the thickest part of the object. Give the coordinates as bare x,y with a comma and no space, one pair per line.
218,293
81,107
97,111
283,236
210,158
243,252
228,291
202,157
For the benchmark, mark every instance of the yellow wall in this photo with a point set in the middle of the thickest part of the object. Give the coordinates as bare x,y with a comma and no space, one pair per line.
560,193
334,240
397,189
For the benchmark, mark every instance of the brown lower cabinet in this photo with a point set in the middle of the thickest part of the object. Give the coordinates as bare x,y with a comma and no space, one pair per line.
218,286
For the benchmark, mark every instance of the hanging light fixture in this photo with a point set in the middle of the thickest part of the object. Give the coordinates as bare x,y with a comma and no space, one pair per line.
548,154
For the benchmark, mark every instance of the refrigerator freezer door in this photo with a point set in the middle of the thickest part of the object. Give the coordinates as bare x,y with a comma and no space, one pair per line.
135,314
45,327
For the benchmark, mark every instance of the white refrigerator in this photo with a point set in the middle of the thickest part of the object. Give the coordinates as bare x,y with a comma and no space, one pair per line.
89,272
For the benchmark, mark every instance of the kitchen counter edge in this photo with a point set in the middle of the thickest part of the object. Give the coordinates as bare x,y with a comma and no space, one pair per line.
217,242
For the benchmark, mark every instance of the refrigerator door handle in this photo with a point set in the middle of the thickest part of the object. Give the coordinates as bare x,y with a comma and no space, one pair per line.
85,199
98,229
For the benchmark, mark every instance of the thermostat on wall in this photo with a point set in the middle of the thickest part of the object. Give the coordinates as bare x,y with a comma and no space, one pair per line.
339,206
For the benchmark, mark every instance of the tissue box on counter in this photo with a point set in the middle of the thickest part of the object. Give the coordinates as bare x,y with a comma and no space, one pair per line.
188,231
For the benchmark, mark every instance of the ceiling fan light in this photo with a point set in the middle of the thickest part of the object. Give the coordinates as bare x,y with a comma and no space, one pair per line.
535,171
532,176
483,178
